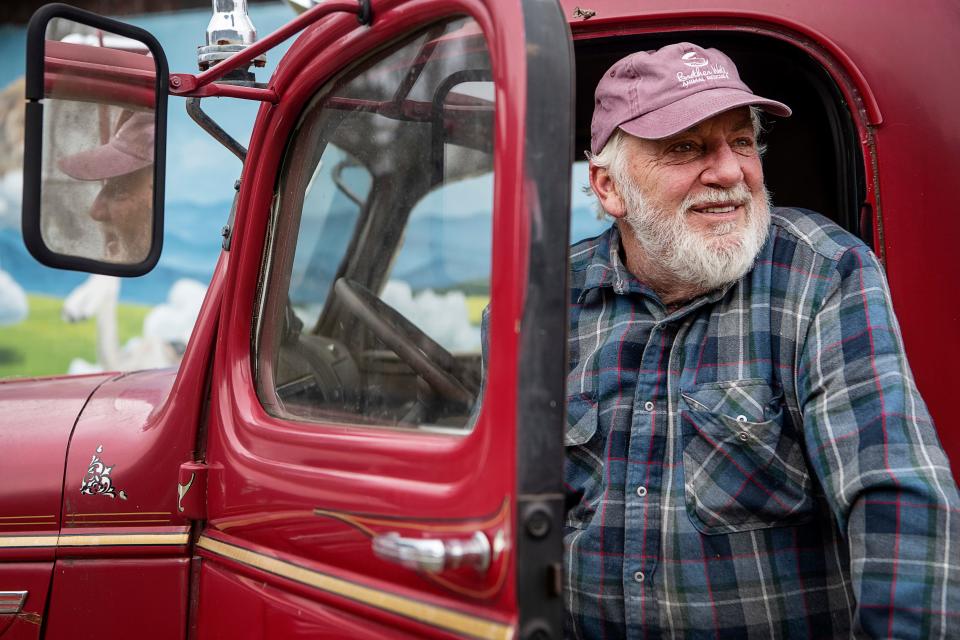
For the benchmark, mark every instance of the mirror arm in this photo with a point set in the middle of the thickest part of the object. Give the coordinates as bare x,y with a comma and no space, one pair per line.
182,84
209,125
219,90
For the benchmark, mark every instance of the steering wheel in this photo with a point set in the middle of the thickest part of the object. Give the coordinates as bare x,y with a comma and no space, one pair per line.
423,354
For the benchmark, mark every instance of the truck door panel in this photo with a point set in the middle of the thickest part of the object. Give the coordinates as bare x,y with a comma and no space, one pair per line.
119,598
331,435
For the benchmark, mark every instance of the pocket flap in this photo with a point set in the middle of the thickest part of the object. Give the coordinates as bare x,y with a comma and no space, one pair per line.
750,400
581,420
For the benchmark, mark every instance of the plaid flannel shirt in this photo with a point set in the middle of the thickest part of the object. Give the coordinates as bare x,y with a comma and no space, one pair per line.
757,463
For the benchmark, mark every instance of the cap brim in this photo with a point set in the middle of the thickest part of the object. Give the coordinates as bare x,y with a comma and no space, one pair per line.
101,163
694,109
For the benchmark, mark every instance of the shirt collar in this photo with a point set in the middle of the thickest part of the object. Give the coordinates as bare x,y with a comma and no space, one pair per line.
606,269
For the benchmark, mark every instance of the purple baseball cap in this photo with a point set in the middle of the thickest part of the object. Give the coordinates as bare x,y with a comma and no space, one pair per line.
129,149
656,94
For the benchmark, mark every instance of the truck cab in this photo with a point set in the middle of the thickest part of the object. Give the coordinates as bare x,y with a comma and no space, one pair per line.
328,460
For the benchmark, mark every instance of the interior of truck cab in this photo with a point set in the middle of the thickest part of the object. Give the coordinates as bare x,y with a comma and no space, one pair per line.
380,258
378,262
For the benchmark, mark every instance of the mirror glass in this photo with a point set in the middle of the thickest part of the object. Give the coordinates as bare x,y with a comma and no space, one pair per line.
98,153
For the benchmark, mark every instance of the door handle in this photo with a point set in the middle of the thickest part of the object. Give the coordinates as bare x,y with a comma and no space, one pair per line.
434,555
11,602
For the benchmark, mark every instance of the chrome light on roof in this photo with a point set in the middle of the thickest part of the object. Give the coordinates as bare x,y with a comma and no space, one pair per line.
230,30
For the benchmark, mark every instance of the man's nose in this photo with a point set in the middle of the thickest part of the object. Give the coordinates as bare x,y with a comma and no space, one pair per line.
723,168
100,211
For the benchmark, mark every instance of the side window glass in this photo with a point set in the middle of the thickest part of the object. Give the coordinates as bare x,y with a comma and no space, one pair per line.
378,262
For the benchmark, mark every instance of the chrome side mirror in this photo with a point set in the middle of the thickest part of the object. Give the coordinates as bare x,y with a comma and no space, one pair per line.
95,143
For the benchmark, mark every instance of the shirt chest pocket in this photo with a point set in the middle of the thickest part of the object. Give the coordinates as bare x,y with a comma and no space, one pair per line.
743,461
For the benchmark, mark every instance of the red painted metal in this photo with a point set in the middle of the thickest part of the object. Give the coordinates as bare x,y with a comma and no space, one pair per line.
34,578
118,598
780,19
38,417
214,90
116,431
335,607
254,605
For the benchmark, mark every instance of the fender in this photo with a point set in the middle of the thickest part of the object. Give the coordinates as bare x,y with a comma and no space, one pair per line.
38,416
123,465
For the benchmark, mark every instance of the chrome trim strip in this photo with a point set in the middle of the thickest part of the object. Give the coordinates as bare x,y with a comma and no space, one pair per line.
122,539
11,602
14,542
95,540
430,614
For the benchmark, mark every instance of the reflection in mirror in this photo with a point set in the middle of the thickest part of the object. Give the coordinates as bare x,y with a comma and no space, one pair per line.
98,144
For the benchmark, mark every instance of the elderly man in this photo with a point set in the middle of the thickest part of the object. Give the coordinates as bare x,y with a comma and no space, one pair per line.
746,448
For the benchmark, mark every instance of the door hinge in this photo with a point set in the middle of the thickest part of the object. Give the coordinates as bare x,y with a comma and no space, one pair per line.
192,491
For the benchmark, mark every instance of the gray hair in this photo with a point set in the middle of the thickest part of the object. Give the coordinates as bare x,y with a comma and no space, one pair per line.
612,156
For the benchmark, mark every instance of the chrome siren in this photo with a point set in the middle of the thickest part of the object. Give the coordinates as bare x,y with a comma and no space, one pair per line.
230,30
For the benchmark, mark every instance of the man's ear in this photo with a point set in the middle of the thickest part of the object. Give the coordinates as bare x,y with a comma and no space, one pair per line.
606,190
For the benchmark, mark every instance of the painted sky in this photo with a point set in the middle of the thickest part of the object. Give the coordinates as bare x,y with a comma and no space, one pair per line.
200,172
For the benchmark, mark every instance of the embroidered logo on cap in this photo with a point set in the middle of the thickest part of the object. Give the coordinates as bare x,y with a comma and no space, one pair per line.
700,73
694,59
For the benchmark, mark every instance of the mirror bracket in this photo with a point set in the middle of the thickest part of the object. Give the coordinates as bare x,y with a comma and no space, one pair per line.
187,85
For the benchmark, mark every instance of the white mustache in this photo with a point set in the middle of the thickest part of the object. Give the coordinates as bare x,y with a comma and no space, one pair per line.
738,196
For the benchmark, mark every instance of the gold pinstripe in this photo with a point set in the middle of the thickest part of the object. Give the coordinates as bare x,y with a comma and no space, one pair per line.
433,615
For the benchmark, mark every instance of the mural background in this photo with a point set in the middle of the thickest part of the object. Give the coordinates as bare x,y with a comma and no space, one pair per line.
53,322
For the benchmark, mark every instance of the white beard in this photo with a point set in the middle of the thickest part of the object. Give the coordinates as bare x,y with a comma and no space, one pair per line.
703,259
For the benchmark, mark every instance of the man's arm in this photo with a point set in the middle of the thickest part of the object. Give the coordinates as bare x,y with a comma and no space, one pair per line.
875,451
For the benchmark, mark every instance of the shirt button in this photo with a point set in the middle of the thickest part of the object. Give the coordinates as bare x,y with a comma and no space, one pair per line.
641,491
743,436
648,405
638,576
741,418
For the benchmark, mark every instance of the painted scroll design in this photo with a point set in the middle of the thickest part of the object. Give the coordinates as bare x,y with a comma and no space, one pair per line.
97,480
182,491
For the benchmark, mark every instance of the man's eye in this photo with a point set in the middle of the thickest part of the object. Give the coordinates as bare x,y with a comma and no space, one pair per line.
683,147
745,146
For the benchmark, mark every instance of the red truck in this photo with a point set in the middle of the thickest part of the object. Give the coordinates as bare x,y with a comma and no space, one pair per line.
322,464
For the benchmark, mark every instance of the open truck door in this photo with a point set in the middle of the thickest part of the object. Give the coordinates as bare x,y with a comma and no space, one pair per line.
368,472
368,461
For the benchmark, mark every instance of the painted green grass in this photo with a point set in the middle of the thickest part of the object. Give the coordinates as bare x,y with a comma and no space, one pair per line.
44,344
475,306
